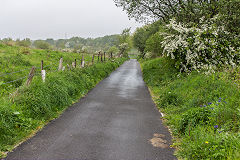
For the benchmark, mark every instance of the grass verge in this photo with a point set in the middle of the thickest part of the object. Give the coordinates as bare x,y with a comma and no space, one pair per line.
202,111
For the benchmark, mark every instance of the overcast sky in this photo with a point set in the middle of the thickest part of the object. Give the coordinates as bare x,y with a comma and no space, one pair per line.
41,19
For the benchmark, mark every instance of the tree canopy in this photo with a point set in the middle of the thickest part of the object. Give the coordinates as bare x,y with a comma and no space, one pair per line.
182,10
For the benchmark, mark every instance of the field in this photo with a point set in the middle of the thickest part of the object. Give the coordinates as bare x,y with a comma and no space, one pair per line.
25,110
16,63
202,111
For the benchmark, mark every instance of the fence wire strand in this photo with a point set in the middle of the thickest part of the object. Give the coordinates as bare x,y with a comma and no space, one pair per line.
15,80
3,75
52,69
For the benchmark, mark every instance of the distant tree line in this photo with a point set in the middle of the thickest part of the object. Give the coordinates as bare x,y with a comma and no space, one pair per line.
117,44
78,44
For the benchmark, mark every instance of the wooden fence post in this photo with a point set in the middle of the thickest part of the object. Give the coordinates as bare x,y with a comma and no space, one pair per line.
82,59
98,56
73,64
101,58
43,72
60,64
93,59
83,63
68,66
30,76
104,56
41,64
111,55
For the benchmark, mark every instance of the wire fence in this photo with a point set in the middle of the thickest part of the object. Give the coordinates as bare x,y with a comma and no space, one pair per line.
51,68
15,80
7,74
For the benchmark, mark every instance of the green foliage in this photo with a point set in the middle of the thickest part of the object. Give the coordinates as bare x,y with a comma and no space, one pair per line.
41,102
114,50
230,15
15,58
206,47
194,117
139,39
125,44
89,45
207,31
153,45
74,44
144,39
146,10
184,10
24,43
35,105
203,111
40,44
205,143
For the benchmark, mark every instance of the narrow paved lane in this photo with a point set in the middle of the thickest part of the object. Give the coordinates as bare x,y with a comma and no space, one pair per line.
117,120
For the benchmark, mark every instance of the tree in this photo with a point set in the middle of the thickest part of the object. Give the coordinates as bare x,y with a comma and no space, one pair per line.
9,41
139,40
183,10
60,44
153,44
141,35
230,15
114,50
25,42
124,36
125,42
50,41
41,44
149,10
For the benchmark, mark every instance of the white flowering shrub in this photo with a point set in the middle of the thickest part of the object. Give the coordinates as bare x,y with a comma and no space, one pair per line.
203,47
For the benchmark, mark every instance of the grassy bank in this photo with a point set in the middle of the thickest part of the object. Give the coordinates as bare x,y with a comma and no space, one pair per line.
36,105
16,62
202,111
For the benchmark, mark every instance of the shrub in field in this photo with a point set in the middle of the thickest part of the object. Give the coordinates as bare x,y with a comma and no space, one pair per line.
202,47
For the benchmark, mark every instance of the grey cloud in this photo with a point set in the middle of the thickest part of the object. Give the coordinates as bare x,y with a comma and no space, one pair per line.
53,18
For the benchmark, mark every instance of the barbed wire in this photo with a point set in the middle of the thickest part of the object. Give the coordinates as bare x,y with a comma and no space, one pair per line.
15,80
6,74
3,75
47,66
51,70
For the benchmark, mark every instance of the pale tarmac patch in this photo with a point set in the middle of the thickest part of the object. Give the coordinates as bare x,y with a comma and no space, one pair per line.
158,141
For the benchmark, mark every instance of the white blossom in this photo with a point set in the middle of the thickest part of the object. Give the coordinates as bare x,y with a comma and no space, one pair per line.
201,52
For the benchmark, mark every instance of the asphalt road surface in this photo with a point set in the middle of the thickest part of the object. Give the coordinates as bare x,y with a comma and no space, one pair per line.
117,120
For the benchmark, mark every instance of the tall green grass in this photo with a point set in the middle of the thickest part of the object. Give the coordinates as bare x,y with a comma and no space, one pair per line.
36,105
14,58
203,111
